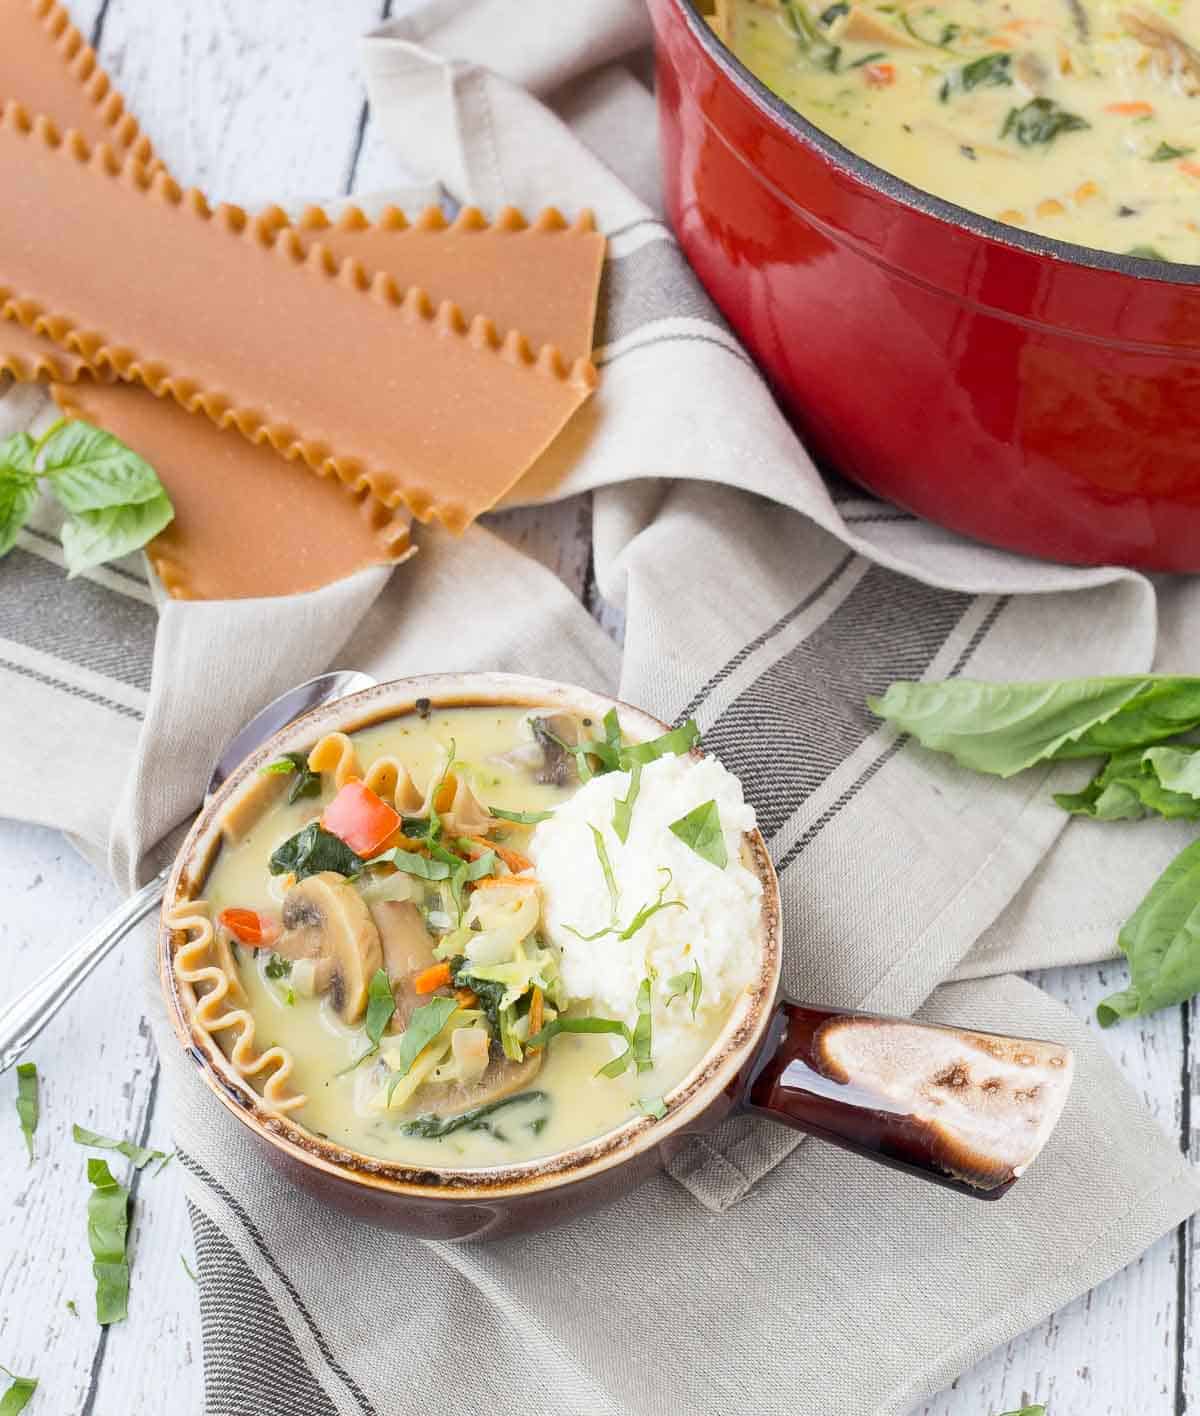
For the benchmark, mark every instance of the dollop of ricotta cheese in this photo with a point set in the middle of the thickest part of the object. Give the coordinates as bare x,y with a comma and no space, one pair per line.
715,927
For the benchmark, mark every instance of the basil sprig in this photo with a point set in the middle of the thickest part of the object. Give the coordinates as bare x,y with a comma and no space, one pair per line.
307,783
423,1026
108,1234
16,1397
313,850
113,498
27,1102
140,1156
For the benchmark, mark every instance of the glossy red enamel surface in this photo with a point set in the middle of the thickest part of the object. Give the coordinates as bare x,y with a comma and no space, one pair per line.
998,386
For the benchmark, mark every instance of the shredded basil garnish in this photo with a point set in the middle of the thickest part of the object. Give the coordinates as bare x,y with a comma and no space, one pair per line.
642,1028
610,879
590,1025
108,1233
682,984
381,1004
653,1106
27,1102
1164,152
307,783
639,919
140,1156
313,850
16,1398
701,829
674,743
424,1025
522,818
623,806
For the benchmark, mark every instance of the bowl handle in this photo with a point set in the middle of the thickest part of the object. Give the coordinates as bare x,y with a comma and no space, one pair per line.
969,1110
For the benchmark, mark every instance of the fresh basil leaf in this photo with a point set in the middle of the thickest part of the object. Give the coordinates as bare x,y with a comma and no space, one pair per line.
278,967
1002,728
108,1233
674,744
89,469
590,1025
1177,768
307,783
381,1004
623,806
139,1155
1164,152
436,1128
423,867
653,1106
610,879
423,1026
1162,943
604,752
90,538
313,850
522,818
1040,121
642,1028
683,984
701,829
1128,786
27,1102
16,1397
18,495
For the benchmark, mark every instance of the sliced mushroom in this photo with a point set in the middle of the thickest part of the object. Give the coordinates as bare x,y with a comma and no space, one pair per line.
1172,53
325,919
407,949
502,1078
558,765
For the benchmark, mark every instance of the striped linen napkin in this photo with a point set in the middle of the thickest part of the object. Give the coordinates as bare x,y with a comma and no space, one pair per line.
762,1273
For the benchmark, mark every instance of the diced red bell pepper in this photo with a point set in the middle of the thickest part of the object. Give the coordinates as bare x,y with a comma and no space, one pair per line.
362,819
250,927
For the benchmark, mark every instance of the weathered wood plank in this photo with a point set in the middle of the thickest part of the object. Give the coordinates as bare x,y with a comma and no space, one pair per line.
1113,1351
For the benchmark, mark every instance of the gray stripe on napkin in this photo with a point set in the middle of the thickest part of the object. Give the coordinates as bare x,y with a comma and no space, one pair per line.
74,690
247,1347
888,627
79,621
650,284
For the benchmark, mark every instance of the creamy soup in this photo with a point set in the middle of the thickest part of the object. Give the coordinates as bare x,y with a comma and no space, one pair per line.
1078,119
405,947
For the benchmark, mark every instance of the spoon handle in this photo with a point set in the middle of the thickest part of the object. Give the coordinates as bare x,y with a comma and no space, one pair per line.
29,1013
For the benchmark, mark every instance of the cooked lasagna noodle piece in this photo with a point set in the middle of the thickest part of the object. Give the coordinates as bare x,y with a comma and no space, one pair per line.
1078,119
431,942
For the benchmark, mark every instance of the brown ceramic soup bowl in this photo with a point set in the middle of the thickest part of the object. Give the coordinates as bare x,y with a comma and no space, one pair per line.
965,1109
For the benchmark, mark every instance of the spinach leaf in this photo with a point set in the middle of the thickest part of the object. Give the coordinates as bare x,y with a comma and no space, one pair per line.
436,1128
681,984
674,743
423,1026
590,1025
1162,943
522,818
16,1398
423,867
623,806
108,1232
278,967
990,71
307,783
1002,728
610,879
1164,152
313,850
701,829
489,991
27,1102
1040,121
642,1028
1131,783
139,1155
653,1106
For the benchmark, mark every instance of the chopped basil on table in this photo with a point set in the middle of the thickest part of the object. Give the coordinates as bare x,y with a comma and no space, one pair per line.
701,829
313,850
108,1235
423,1026
16,1397
140,1156
307,783
27,1102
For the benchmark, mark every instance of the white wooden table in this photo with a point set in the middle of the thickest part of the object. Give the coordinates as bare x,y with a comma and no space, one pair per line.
262,100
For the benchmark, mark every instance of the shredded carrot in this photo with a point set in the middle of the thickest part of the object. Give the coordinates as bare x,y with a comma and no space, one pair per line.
465,998
1001,41
879,75
535,1012
1191,168
429,979
515,861
445,792
1136,109
258,931
1021,26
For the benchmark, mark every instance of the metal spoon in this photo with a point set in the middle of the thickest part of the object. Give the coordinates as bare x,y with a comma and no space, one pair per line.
23,1019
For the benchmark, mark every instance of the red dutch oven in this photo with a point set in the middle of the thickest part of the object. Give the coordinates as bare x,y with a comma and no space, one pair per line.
1037,395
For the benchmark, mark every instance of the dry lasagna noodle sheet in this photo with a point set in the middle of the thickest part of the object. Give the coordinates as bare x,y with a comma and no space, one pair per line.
543,277
362,380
